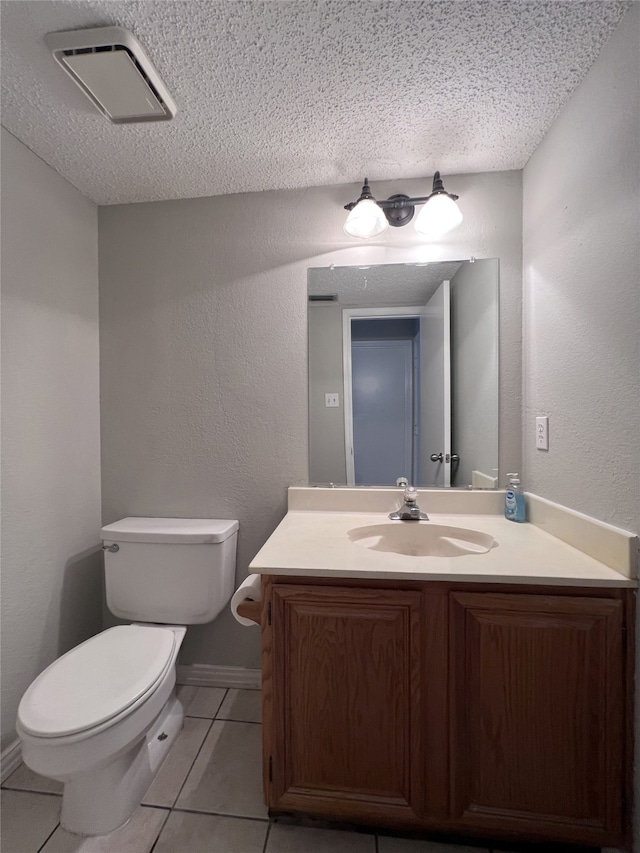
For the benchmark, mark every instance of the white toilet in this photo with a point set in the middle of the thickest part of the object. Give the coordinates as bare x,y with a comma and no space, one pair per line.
103,716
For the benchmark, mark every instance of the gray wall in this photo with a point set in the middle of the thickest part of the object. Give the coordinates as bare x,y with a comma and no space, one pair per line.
581,308
327,462
474,369
51,583
203,350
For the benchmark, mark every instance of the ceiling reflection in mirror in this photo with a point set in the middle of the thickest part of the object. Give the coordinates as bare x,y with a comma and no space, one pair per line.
403,374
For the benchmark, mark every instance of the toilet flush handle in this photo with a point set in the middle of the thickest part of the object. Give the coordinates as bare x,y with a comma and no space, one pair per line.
113,548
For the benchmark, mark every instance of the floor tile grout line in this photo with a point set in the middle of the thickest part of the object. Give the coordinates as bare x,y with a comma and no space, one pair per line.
160,831
220,814
226,693
46,841
195,758
170,810
186,711
266,838
196,811
32,791
222,719
196,717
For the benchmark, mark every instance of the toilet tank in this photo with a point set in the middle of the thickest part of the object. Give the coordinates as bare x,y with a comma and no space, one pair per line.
177,571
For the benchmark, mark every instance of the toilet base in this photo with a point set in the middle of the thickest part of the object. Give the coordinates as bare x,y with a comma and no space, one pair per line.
101,800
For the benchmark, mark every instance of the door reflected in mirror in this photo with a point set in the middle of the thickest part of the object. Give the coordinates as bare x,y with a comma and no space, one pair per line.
403,374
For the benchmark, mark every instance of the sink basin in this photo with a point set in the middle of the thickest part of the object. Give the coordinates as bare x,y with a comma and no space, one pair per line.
422,539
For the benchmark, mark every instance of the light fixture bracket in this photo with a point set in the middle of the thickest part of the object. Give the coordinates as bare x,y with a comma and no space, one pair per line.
400,215
365,193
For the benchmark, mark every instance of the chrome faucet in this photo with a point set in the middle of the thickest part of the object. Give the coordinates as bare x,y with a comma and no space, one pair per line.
409,511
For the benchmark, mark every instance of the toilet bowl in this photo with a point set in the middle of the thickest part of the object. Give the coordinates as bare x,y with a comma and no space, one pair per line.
101,719
103,716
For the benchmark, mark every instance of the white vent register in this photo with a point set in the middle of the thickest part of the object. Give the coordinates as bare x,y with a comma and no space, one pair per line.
113,70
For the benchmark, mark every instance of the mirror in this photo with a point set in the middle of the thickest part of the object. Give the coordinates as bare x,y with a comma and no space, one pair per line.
403,374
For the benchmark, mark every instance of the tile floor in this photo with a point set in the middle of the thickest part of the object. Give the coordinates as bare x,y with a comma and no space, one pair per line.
206,798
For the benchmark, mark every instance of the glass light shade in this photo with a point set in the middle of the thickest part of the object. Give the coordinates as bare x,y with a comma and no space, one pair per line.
365,220
438,215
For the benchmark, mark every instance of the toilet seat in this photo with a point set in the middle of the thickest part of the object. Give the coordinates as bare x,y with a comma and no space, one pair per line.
97,683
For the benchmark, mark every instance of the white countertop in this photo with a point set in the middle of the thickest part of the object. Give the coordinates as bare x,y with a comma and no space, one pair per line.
316,544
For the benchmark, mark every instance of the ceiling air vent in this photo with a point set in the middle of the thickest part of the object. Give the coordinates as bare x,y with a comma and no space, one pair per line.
323,297
114,72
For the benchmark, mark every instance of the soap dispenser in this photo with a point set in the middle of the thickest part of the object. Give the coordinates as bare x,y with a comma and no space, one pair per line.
514,508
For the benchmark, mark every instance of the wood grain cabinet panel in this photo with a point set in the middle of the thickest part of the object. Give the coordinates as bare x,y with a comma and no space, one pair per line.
346,697
537,729
501,712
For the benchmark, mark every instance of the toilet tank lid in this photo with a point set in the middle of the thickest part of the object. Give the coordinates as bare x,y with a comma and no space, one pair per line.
179,531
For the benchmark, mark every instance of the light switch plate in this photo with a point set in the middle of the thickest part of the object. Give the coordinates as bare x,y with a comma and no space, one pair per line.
331,401
542,433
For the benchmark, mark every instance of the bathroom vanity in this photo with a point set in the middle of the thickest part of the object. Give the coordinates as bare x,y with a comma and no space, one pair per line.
486,694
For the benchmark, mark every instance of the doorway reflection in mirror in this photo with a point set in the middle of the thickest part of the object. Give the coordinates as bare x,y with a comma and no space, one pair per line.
412,352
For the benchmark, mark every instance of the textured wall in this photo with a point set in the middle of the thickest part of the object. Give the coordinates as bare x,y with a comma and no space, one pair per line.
327,462
581,270
203,350
474,369
582,295
51,584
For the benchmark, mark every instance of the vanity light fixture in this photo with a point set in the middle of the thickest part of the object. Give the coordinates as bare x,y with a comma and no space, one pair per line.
369,218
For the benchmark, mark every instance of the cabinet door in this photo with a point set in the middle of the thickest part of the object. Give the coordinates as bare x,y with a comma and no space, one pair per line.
537,715
346,738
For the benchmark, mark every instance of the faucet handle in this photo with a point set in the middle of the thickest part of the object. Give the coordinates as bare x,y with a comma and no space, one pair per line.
410,495
402,481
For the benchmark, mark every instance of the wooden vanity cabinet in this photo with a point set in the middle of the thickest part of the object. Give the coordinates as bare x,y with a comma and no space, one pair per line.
484,710
347,702
537,714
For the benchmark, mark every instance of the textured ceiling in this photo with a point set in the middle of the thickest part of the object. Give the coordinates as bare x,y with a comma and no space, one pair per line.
383,284
277,95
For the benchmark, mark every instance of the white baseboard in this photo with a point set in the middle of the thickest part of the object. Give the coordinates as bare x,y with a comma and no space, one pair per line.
10,759
207,675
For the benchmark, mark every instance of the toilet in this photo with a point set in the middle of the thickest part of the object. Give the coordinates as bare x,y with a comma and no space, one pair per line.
103,716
